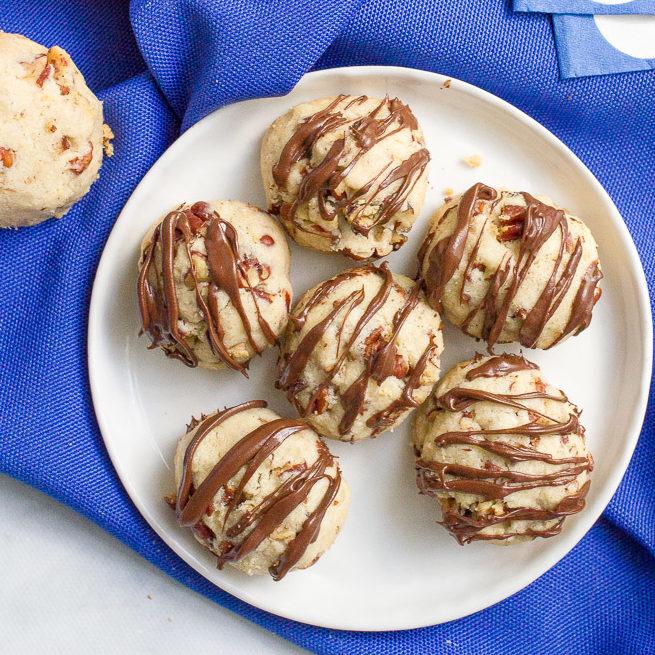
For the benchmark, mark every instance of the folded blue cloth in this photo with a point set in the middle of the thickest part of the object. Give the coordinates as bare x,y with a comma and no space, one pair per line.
586,6
583,50
199,55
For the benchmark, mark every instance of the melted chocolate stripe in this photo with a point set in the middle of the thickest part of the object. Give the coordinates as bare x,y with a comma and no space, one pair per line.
584,301
373,307
500,366
203,429
467,529
446,256
512,452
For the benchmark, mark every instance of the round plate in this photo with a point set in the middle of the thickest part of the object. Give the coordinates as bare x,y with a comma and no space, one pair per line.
388,566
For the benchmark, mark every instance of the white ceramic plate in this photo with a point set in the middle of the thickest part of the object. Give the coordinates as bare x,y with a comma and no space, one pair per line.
392,567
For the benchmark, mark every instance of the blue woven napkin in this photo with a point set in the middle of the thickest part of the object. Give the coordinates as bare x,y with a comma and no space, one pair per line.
587,6
194,56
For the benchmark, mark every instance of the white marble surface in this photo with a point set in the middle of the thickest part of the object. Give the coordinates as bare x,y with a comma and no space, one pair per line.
68,587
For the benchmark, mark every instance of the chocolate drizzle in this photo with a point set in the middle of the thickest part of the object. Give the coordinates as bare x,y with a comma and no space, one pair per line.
322,181
381,362
500,366
494,482
157,295
258,524
533,225
446,256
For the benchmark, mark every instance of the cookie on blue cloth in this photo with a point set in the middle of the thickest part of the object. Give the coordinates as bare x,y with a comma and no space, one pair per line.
51,132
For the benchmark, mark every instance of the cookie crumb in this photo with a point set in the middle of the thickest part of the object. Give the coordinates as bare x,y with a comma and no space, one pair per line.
473,161
446,84
107,136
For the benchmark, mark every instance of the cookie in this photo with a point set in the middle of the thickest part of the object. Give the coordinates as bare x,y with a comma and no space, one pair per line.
505,267
346,174
502,451
51,132
360,352
213,284
262,492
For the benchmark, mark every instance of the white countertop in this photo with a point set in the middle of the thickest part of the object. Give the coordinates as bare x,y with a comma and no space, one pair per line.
69,587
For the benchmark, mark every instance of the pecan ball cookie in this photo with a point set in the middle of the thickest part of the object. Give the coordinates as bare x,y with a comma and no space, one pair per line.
213,284
360,352
51,132
502,450
504,266
346,174
261,492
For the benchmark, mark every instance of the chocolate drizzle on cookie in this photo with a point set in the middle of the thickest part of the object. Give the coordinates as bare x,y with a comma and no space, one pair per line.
493,482
158,301
382,359
500,366
321,182
254,526
532,224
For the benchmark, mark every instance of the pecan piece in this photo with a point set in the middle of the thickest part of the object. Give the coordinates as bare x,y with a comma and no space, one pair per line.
58,59
263,271
319,402
372,342
514,211
43,76
79,164
7,157
228,494
510,233
510,227
400,367
195,221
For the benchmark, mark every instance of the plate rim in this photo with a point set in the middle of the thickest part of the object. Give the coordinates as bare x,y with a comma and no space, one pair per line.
633,431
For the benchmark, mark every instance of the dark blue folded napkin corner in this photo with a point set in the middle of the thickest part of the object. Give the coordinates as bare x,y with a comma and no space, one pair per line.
583,49
161,66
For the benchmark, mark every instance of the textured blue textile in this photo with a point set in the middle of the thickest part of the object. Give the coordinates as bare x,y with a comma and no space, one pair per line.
583,50
586,6
198,55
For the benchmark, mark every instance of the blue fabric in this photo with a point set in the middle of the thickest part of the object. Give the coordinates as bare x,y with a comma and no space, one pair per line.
196,56
582,49
586,6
